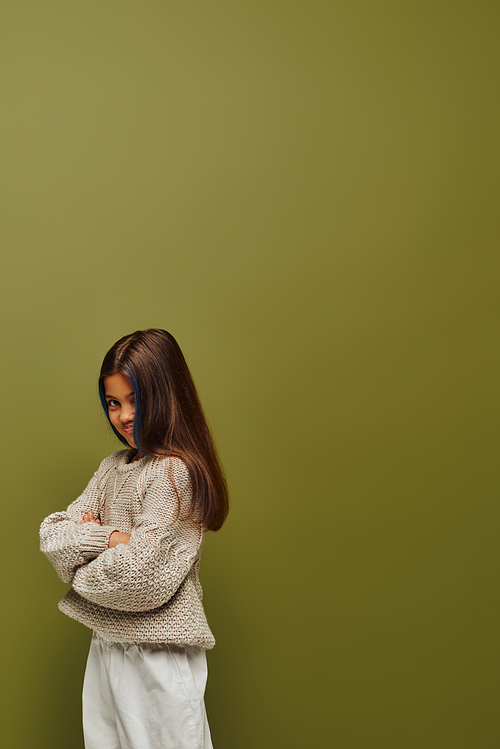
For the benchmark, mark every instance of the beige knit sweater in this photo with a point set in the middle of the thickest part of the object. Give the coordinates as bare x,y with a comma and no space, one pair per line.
147,590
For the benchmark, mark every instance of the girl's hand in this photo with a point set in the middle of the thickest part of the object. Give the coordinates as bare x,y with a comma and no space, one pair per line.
118,538
89,518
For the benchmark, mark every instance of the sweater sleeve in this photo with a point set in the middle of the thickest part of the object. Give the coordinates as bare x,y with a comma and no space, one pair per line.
67,544
164,544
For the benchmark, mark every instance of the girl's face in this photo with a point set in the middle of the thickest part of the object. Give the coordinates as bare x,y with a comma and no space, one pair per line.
121,405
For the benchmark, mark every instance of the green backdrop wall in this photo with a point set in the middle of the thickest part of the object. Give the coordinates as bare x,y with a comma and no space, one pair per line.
306,196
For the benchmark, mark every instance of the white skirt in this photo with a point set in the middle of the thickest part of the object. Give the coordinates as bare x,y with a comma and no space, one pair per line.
144,696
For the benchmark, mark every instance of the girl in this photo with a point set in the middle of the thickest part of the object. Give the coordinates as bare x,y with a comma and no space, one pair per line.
131,545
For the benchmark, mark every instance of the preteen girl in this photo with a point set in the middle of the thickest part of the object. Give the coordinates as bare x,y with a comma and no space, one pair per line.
131,545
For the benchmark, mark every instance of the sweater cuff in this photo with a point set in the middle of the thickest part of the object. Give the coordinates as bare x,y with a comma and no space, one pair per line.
95,539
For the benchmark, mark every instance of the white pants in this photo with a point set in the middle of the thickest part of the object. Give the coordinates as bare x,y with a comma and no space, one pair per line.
145,697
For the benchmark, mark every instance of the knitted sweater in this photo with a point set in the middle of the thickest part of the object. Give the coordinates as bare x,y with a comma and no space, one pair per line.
147,590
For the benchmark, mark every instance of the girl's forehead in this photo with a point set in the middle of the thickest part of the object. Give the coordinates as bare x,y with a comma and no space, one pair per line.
118,383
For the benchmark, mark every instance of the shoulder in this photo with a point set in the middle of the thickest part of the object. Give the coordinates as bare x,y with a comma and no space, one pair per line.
170,470
110,462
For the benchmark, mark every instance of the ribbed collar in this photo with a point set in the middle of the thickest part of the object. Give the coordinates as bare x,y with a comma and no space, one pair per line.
124,467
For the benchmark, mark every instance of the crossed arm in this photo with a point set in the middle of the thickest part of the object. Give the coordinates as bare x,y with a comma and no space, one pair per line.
115,538
134,571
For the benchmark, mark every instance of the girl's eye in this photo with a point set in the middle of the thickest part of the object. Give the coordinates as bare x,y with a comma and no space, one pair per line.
113,403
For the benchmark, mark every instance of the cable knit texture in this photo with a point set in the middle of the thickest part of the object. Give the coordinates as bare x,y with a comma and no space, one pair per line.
147,590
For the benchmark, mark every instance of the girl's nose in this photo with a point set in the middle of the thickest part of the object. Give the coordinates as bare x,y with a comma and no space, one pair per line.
126,415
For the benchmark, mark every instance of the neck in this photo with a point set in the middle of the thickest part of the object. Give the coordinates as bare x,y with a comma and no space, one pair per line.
137,456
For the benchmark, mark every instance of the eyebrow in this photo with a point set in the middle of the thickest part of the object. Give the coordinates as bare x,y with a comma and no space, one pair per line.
115,398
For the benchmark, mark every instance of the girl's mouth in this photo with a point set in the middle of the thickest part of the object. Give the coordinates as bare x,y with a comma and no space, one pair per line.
129,428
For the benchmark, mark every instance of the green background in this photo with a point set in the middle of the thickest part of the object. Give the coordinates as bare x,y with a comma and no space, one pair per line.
306,195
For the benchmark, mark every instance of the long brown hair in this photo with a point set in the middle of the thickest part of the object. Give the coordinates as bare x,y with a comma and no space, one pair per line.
169,418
